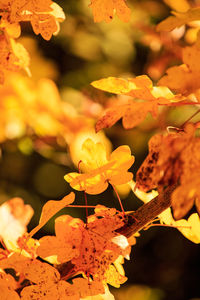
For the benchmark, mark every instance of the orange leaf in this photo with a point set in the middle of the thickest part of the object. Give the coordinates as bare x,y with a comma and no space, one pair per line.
186,77
66,242
61,290
103,10
50,209
185,196
87,288
140,87
8,285
132,114
91,249
179,19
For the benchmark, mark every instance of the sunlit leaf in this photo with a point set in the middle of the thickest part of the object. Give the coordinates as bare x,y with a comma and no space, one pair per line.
179,19
101,170
104,10
50,209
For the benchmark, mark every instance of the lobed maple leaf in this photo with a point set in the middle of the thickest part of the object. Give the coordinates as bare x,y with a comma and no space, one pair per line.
103,10
90,249
46,279
185,79
43,15
100,170
132,112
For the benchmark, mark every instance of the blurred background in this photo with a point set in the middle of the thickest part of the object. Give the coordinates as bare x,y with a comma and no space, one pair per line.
38,152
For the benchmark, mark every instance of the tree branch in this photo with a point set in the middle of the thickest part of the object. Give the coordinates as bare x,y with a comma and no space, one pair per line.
146,213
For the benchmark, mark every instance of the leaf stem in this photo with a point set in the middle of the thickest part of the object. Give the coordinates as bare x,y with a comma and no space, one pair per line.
196,113
85,196
81,206
118,197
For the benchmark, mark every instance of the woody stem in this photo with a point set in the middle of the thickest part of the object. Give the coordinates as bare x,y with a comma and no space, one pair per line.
146,213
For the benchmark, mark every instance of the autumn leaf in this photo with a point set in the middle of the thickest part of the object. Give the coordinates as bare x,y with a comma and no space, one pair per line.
113,277
43,15
179,5
100,170
90,249
46,279
173,160
65,245
23,59
178,19
185,196
85,287
15,216
132,112
104,10
140,87
50,208
13,30
190,228
185,78
8,285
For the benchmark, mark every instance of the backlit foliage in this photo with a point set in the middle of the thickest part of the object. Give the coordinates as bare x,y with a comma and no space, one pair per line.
100,170
82,258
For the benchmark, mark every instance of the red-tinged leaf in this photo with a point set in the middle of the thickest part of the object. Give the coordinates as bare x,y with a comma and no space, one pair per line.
110,117
50,209
132,114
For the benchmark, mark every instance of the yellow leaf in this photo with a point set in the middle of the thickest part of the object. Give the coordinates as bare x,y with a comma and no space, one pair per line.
101,170
140,87
178,5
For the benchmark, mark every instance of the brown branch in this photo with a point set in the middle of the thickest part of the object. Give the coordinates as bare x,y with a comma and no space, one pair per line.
146,213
